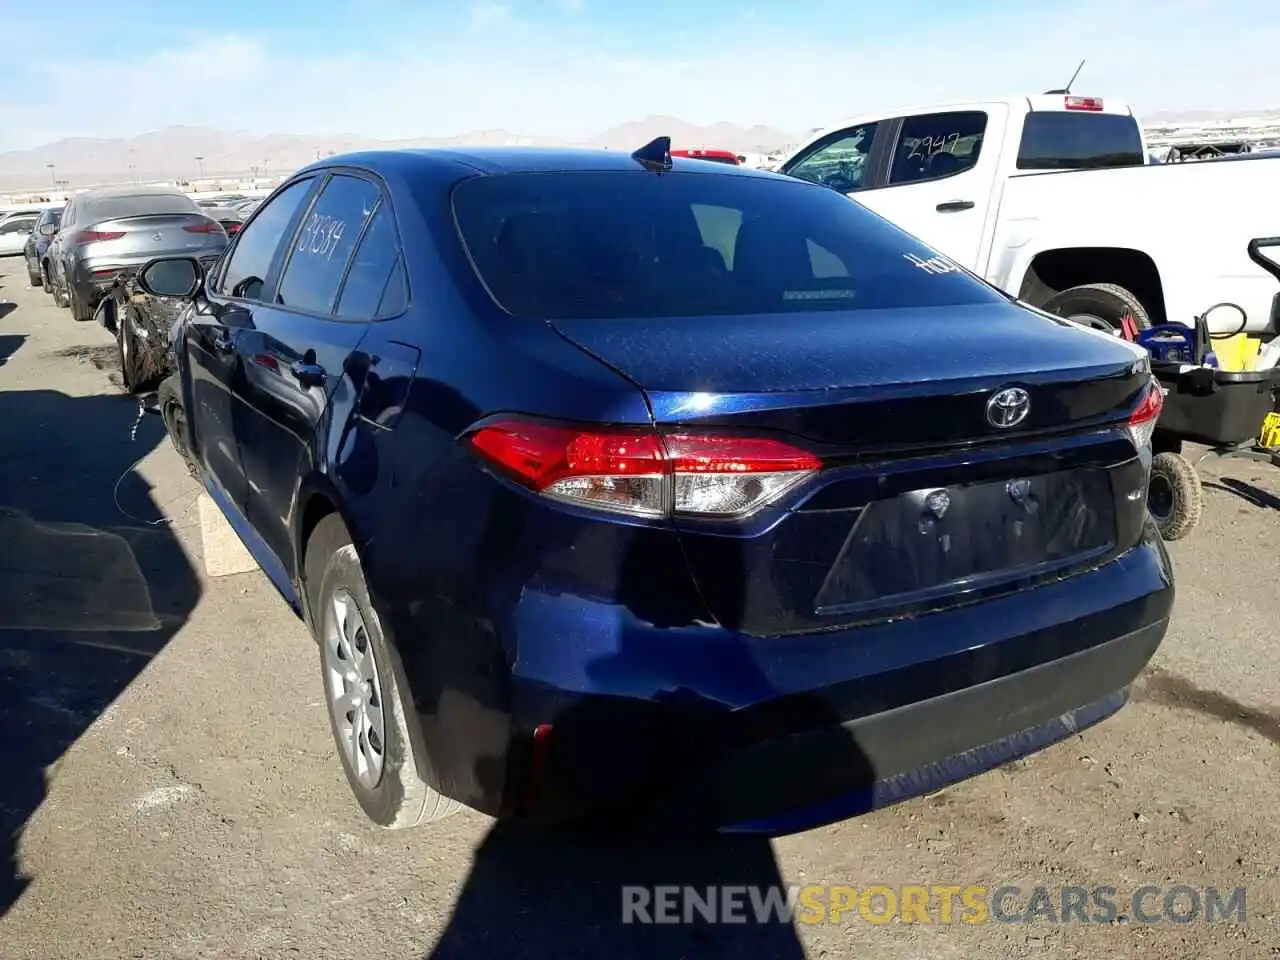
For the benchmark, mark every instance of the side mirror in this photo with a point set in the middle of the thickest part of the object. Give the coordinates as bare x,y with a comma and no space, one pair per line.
48,229
170,277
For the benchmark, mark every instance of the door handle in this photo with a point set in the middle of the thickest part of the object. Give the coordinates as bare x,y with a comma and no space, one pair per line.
309,374
952,205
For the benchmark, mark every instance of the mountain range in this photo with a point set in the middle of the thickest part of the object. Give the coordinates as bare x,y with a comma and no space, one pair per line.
190,151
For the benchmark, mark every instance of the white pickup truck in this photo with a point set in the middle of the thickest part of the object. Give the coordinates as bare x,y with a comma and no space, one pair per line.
1051,199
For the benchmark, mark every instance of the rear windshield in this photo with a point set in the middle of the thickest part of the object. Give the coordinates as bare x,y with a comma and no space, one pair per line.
138,205
618,245
1053,140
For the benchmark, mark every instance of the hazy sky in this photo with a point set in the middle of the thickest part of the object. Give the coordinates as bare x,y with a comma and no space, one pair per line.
575,67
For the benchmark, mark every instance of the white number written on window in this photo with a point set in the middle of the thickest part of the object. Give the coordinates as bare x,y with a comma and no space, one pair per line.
320,236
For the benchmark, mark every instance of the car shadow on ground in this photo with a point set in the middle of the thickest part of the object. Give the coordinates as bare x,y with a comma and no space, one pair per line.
9,344
1167,689
1248,492
92,584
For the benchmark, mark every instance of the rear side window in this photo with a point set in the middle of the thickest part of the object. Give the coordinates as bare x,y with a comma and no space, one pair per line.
141,205
1054,140
937,145
324,243
621,245
371,269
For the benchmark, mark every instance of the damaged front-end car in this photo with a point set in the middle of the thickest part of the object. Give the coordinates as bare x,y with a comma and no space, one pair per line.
144,326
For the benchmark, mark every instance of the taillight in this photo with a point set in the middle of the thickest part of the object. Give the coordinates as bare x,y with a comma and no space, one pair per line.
208,226
98,236
231,228
1092,104
1142,422
643,474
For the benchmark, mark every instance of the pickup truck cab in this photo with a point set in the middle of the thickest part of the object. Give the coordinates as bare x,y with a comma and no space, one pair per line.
1051,198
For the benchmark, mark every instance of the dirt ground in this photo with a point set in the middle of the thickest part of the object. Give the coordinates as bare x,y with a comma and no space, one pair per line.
171,790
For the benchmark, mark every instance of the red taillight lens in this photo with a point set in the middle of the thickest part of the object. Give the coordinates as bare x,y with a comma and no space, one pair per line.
1092,104
231,228
1142,422
640,473
98,236
209,226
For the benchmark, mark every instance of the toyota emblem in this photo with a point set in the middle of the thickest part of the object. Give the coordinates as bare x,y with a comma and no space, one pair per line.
157,237
1008,407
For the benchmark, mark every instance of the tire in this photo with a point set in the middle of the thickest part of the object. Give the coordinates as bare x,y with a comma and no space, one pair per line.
391,792
174,415
1099,305
1174,498
34,279
80,311
59,297
138,374
45,282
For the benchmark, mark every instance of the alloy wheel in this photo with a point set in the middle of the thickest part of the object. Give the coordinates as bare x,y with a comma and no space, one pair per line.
354,692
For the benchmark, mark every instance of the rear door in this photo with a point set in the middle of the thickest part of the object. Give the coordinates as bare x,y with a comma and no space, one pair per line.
236,296
296,356
941,179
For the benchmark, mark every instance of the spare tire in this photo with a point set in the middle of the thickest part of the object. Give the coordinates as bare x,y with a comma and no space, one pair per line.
1102,306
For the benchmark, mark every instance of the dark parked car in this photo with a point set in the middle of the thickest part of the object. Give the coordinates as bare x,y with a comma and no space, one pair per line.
46,226
110,232
615,485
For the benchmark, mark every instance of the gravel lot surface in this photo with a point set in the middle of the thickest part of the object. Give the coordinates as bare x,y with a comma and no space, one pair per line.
171,789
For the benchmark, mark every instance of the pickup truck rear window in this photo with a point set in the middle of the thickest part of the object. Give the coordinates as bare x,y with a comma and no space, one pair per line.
618,245
1053,140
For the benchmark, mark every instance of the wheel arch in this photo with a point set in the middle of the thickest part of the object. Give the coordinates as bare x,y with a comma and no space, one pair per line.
1054,270
317,498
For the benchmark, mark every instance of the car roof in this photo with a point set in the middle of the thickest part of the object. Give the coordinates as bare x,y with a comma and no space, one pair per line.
470,161
101,193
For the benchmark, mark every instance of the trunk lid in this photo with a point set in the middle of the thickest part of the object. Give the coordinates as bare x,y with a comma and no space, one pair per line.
923,502
153,235
869,381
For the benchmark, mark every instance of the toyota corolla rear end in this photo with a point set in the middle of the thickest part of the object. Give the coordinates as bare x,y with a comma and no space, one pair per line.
873,530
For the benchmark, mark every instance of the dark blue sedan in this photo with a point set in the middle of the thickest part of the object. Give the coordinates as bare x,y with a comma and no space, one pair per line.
616,487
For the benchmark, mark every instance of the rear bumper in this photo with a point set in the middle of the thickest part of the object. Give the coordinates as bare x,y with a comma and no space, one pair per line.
599,712
790,784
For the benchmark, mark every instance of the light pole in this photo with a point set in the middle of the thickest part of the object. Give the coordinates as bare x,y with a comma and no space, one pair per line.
200,160
53,173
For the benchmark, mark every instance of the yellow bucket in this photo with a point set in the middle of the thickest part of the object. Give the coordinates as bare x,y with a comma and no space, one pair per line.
1269,435
1237,353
